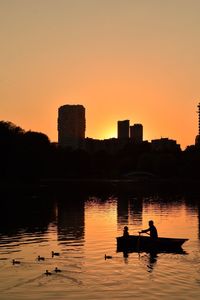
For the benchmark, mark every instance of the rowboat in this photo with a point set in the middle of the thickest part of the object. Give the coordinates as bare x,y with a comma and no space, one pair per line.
140,242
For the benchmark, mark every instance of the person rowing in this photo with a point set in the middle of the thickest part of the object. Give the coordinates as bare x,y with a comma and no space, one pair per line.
152,229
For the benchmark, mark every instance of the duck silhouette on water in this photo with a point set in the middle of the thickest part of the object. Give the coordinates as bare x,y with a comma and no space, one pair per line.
57,270
40,258
15,262
108,257
54,253
47,273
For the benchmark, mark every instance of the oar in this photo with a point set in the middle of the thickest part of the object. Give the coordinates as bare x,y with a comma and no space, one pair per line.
138,242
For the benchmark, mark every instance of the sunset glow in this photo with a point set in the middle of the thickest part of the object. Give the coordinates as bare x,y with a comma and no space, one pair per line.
136,60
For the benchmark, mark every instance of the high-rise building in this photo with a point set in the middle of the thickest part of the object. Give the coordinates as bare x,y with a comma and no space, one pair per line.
136,133
71,125
197,139
123,129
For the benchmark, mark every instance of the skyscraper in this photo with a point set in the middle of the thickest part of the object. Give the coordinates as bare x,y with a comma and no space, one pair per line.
136,133
197,139
71,125
123,129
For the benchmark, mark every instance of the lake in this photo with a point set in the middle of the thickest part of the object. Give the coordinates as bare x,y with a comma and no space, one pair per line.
83,228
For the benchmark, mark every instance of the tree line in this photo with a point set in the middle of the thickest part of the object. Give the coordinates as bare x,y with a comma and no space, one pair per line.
29,156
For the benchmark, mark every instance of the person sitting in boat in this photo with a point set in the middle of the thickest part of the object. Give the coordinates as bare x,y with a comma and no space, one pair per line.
125,233
152,229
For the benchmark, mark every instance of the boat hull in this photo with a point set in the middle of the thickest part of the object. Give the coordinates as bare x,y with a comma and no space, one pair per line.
146,243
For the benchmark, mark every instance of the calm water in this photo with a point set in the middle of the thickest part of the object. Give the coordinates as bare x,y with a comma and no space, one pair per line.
83,232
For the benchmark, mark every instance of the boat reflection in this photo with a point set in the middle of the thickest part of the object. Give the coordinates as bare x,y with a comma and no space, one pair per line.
135,249
149,258
152,261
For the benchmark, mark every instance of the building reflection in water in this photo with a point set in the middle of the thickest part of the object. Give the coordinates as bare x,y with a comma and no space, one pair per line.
129,212
122,210
24,213
193,207
136,207
199,220
28,212
70,219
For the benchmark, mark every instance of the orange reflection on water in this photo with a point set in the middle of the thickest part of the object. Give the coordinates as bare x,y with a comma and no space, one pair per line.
98,217
171,220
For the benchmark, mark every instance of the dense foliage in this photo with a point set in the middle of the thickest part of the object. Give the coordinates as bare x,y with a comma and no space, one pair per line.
30,156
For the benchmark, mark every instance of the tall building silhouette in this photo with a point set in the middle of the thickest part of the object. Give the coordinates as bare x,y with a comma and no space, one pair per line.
197,139
71,125
136,133
123,129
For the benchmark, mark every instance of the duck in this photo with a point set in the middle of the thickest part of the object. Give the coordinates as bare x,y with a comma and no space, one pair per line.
55,253
47,273
57,270
107,256
40,257
15,262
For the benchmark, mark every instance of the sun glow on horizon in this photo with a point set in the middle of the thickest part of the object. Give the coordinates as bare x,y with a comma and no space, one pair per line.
109,133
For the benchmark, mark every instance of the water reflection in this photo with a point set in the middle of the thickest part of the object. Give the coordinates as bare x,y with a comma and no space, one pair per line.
70,218
152,257
171,214
72,223
24,214
125,256
192,202
136,206
149,260
129,211
199,220
122,210
32,212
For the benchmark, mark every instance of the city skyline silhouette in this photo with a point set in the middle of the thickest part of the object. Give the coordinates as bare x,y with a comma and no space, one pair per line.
124,129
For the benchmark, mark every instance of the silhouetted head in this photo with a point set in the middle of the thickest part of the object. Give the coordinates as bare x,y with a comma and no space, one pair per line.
151,223
125,228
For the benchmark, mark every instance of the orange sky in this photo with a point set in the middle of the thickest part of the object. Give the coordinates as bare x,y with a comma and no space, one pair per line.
130,59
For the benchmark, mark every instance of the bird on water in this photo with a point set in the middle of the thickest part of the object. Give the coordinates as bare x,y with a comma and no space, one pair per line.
47,273
15,262
40,257
54,253
107,256
57,270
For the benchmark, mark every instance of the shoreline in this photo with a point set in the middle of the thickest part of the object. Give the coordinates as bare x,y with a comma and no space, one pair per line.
111,186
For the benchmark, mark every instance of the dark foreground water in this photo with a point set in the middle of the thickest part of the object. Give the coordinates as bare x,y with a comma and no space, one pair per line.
83,229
